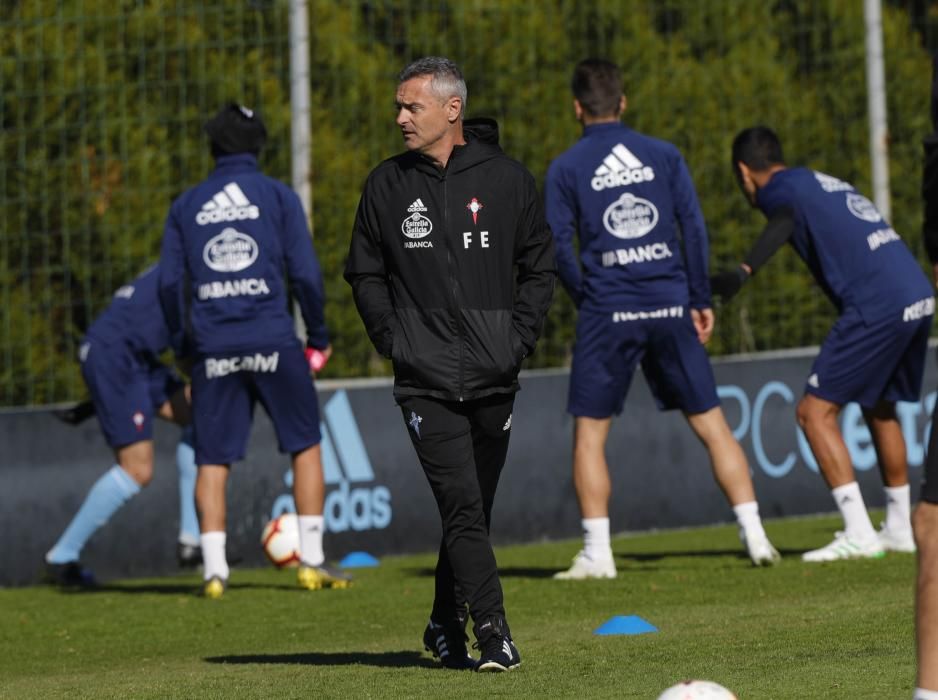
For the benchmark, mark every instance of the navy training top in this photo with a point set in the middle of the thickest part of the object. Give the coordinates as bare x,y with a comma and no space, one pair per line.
227,245
134,319
630,199
854,254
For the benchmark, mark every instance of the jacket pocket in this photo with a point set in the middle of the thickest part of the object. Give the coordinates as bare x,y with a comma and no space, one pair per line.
493,349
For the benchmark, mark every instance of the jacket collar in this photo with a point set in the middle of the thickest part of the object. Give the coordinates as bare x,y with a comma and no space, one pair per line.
236,162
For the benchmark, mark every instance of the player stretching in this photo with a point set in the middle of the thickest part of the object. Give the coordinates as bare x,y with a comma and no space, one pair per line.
129,386
227,244
925,518
639,300
874,354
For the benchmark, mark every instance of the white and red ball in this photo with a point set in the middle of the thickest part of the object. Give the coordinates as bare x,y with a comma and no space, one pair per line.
281,541
697,690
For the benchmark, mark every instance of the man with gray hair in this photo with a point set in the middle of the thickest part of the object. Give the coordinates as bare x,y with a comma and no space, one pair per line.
451,266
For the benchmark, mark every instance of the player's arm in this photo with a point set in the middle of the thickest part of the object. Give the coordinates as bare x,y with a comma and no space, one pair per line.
172,282
777,232
304,272
365,271
537,272
694,235
560,208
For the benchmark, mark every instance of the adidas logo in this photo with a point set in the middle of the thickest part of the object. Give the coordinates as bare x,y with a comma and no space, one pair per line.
230,204
621,167
813,381
417,206
506,649
355,503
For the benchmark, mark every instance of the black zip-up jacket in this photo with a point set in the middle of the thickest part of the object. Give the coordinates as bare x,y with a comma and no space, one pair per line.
452,269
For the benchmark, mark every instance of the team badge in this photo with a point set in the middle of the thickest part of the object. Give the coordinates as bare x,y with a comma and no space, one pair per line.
138,420
415,422
474,206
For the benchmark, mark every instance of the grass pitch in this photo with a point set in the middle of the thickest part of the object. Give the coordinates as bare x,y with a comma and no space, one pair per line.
842,630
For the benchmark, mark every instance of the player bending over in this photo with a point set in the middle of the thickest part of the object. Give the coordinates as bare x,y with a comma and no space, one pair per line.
874,354
129,386
639,300
925,518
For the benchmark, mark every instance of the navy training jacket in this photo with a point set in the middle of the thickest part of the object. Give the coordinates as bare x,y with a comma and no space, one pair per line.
854,254
134,319
630,199
228,244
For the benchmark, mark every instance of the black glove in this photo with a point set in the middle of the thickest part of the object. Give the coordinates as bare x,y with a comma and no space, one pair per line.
727,284
76,414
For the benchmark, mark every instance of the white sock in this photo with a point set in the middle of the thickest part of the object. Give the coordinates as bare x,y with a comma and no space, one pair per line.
922,694
857,523
311,527
747,515
898,510
213,555
596,539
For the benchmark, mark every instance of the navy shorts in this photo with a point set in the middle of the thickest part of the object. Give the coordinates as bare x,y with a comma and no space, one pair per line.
608,347
127,391
225,389
871,362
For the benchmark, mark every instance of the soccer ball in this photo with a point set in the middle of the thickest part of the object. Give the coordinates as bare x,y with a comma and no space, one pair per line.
697,690
281,541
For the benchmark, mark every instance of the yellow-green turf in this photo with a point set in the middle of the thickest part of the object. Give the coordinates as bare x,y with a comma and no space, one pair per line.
841,630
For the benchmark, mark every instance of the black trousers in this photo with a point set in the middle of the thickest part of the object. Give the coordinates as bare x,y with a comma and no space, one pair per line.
462,447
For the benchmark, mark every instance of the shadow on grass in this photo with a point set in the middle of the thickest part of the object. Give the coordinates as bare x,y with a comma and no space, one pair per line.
705,553
503,571
386,659
176,588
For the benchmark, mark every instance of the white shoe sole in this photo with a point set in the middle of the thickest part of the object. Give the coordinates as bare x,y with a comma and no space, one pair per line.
494,667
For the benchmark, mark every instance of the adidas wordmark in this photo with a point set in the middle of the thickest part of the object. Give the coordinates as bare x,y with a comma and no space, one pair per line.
621,167
229,204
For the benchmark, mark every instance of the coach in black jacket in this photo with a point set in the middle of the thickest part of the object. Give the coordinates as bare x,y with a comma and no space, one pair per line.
452,268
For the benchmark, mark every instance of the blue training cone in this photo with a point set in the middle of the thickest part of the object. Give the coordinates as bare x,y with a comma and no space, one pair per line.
355,560
625,624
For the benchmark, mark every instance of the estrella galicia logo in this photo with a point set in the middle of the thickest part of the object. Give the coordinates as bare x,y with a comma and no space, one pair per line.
630,217
416,225
230,251
862,208
344,463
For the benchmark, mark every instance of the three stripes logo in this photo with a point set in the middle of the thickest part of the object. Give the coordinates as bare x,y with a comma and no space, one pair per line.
228,204
344,463
621,167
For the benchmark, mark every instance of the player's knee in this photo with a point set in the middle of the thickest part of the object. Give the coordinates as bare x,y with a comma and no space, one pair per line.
810,413
925,528
140,471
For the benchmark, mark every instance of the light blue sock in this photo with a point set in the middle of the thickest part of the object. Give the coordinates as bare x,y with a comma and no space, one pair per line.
185,460
109,493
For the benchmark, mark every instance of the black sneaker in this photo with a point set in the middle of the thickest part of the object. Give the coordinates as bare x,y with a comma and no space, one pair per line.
499,652
449,645
69,575
189,556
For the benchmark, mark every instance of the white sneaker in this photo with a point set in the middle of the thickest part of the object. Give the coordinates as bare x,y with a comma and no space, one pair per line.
896,540
585,567
844,547
760,550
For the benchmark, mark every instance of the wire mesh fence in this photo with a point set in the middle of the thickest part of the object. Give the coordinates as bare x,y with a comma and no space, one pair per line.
102,104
